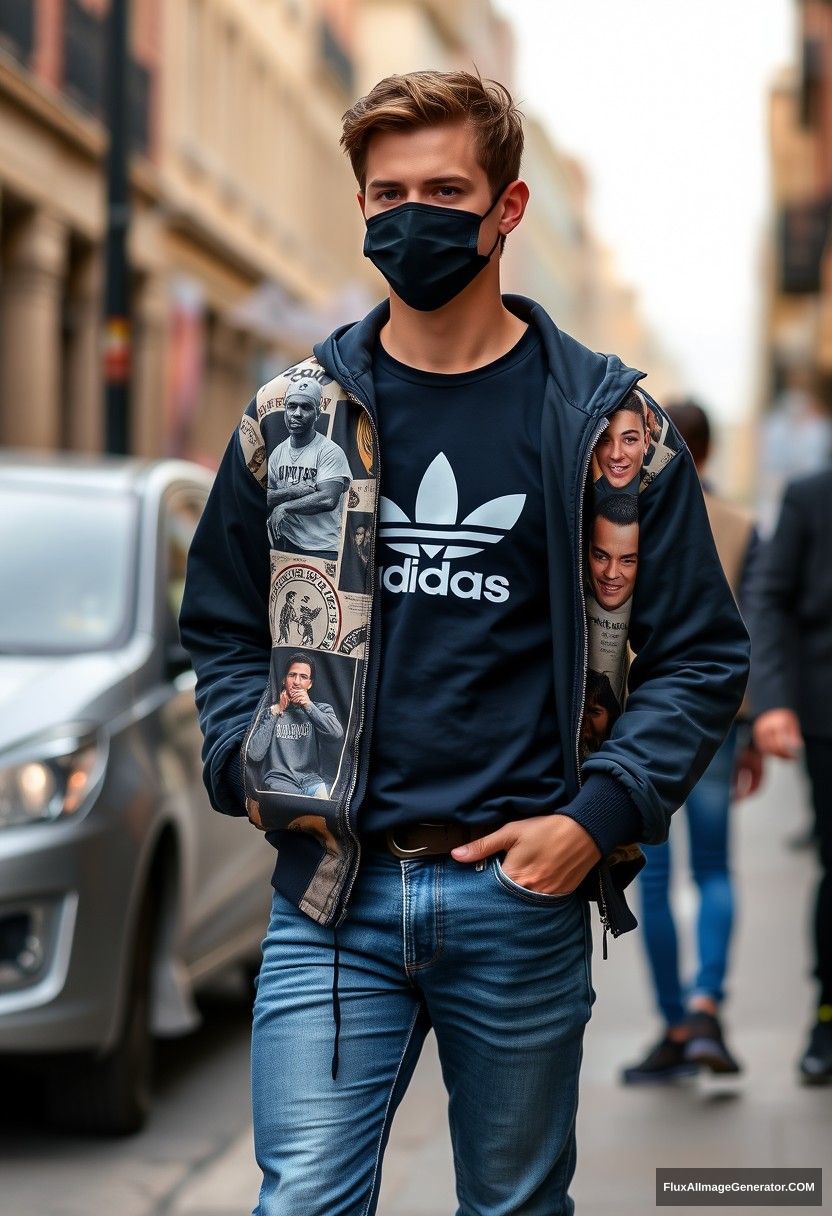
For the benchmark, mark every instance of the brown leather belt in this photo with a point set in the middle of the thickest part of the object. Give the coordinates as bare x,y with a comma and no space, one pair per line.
421,839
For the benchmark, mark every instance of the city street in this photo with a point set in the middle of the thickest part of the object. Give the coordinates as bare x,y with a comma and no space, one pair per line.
195,1157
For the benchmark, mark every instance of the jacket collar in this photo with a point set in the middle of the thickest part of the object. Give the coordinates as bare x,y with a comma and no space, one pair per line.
588,381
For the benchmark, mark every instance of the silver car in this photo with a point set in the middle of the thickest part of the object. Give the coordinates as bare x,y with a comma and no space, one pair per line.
120,888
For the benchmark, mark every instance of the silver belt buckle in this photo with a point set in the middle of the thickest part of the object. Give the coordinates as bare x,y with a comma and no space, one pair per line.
399,851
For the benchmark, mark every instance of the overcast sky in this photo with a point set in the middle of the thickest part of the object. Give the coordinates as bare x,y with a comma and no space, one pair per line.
665,104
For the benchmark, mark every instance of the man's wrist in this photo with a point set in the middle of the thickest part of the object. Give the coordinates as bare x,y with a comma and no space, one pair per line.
605,810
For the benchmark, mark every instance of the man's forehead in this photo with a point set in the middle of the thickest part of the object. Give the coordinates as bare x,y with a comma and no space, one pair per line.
621,537
423,154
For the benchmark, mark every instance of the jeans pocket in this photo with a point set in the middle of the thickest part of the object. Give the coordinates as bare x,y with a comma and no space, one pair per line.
524,893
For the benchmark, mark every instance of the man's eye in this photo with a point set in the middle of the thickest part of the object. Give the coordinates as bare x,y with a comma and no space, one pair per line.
448,191
387,196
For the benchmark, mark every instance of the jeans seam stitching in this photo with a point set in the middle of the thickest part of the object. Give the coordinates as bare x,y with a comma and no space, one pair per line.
384,1122
587,955
437,895
407,936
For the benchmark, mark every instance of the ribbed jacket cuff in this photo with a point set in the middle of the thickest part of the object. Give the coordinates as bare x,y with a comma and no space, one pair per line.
229,794
607,812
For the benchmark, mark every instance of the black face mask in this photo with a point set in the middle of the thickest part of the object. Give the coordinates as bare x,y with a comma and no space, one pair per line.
427,254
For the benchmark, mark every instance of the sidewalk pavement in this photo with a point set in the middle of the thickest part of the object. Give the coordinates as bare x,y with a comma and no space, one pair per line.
764,1119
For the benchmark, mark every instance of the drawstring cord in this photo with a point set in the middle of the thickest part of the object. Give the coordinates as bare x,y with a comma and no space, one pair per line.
336,1005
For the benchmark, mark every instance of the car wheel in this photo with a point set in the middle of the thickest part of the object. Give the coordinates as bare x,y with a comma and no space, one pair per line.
111,1095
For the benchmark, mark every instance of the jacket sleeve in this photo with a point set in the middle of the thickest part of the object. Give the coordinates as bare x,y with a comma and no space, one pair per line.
224,621
691,649
774,594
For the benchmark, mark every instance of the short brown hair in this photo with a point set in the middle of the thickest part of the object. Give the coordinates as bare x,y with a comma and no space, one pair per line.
426,99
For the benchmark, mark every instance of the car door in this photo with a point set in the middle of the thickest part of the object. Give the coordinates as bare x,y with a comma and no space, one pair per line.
228,862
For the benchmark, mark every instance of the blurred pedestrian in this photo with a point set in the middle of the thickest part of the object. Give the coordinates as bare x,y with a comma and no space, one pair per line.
693,1034
791,624
444,881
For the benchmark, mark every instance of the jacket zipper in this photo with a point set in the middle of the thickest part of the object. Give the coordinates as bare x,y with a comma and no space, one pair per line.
247,737
345,894
599,432
602,903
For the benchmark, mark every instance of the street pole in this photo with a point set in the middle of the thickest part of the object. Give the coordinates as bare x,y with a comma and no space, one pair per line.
117,289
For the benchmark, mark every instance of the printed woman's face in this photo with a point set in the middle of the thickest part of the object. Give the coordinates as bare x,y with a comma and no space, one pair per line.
621,449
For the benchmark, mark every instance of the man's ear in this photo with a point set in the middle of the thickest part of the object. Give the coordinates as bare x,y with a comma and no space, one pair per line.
362,198
514,206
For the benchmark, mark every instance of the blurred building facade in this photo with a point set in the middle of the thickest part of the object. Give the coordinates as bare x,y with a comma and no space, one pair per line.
796,430
245,242
235,108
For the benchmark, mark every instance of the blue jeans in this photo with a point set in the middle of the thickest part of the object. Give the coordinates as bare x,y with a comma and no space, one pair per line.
501,974
707,809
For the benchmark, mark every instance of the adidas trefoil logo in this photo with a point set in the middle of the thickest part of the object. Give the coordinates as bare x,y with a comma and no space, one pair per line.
435,533
437,504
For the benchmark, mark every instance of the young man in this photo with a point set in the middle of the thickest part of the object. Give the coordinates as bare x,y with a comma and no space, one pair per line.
444,882
692,1035
791,623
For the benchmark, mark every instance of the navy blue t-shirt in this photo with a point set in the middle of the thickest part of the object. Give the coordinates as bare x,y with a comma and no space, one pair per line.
465,723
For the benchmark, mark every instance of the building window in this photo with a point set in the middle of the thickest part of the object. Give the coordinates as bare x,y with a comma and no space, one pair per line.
85,80
335,57
17,28
803,231
84,34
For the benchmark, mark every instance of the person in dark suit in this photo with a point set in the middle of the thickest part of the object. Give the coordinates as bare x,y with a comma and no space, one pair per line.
791,629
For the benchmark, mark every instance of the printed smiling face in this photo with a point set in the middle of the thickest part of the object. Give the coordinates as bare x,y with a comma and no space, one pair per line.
621,449
613,562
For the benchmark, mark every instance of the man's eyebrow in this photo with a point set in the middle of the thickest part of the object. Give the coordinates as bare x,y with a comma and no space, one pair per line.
444,180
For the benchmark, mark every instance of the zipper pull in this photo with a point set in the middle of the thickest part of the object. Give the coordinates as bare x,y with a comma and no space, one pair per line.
604,943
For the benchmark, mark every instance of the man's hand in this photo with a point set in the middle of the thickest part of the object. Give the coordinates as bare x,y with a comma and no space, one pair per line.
299,696
551,854
253,812
748,773
282,704
777,733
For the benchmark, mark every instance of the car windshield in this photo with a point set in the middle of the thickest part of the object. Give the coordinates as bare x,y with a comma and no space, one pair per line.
66,567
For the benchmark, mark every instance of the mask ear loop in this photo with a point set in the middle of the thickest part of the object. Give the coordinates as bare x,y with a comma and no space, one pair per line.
486,214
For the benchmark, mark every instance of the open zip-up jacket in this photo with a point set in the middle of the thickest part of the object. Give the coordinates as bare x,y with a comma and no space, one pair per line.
687,656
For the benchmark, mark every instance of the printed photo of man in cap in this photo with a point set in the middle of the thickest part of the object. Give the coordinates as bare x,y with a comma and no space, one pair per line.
307,481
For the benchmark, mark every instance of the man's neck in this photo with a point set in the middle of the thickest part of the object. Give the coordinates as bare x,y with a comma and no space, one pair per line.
473,330
301,441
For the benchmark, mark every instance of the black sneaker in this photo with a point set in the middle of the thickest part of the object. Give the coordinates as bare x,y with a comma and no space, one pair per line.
816,1064
664,1062
706,1045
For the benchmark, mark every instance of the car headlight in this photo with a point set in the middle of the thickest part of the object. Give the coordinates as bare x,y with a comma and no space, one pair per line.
56,784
